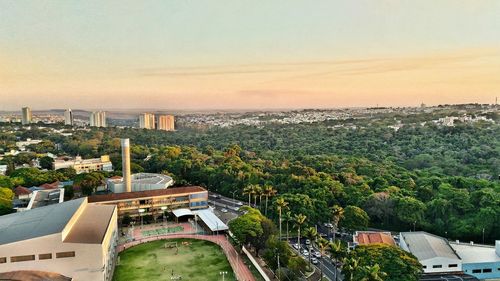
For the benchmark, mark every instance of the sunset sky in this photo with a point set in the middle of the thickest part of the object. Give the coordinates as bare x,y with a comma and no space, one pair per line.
225,54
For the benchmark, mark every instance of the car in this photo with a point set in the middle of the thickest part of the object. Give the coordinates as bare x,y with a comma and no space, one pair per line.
314,260
296,246
217,196
239,204
305,253
308,242
224,210
317,254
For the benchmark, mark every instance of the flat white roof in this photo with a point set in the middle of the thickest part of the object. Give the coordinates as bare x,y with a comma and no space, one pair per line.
475,253
206,215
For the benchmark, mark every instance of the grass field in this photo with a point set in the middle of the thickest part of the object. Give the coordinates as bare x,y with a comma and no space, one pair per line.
199,261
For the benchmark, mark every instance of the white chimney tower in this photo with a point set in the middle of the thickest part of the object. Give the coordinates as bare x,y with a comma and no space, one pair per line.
126,164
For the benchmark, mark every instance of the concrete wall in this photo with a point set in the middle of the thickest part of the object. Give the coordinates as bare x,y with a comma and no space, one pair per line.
444,262
494,266
86,265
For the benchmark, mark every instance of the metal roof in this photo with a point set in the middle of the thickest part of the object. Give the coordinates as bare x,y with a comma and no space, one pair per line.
427,246
211,220
206,215
37,222
182,212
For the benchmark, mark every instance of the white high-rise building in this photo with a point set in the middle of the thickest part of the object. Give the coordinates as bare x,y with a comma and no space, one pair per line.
68,117
98,119
147,121
26,119
166,122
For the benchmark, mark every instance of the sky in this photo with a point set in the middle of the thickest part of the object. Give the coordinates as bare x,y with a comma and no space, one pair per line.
227,54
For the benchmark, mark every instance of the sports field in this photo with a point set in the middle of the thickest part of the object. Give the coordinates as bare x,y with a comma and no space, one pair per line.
195,260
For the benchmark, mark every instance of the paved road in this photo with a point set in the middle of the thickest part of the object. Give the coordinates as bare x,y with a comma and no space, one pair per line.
323,263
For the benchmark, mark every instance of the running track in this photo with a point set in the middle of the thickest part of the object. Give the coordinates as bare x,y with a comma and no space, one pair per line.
239,267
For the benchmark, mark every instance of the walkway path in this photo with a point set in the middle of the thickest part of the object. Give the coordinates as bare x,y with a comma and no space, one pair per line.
239,267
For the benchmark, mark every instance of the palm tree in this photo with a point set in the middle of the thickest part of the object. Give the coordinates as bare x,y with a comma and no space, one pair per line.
248,190
288,217
336,253
300,219
256,190
323,244
312,234
373,273
269,191
280,205
351,266
337,214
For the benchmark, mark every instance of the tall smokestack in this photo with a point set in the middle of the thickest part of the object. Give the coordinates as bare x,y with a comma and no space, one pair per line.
126,164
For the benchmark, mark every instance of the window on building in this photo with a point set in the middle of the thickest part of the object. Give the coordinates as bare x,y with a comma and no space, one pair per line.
437,266
45,256
487,270
424,266
3,260
476,271
65,255
453,265
22,258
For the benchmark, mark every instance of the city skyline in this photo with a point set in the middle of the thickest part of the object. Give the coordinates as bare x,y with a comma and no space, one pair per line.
240,55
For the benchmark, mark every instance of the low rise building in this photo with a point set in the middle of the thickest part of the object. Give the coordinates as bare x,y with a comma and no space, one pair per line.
154,202
433,252
481,261
372,237
85,165
74,239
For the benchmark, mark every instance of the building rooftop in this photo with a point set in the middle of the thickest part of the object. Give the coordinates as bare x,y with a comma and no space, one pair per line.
145,194
21,190
475,253
32,275
145,178
427,246
372,237
91,225
47,197
37,222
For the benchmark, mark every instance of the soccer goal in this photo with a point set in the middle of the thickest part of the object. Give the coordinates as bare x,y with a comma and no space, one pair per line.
171,245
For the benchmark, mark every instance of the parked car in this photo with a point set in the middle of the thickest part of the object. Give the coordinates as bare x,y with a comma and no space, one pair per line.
296,246
239,204
305,253
224,210
317,254
314,260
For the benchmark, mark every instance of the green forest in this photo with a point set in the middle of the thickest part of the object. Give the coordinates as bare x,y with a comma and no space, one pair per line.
425,177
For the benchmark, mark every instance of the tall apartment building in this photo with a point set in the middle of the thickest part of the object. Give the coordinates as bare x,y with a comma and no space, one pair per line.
147,121
98,119
26,119
166,123
68,117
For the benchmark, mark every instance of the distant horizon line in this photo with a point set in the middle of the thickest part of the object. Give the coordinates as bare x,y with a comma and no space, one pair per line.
152,110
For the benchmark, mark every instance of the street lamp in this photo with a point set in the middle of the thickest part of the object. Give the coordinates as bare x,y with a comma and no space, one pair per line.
234,202
163,208
141,211
483,235
223,273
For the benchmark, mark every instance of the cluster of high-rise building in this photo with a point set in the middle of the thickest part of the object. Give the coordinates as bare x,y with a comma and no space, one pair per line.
98,119
150,121
163,122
